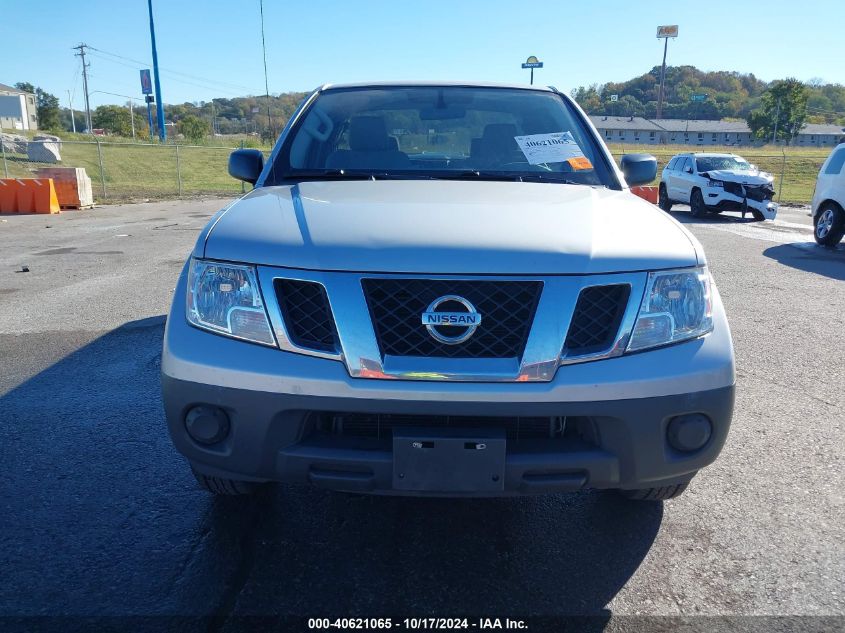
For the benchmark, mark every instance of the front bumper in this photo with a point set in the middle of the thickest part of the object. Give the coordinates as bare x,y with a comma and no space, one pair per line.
717,199
269,395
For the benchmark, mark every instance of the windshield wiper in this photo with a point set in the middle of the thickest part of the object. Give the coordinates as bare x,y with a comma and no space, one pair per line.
326,174
344,174
482,175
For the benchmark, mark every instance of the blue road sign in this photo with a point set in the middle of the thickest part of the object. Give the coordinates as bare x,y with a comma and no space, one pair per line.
146,82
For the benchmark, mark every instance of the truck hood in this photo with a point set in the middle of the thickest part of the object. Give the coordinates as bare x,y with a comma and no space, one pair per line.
743,177
443,227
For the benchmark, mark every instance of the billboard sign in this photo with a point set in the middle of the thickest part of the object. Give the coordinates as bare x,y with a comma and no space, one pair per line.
670,30
146,82
532,62
699,97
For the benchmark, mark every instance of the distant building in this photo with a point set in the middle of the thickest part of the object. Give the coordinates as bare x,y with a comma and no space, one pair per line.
702,132
615,129
820,134
640,131
18,110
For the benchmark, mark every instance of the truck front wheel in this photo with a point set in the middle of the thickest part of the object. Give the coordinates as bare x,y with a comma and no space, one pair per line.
655,494
226,487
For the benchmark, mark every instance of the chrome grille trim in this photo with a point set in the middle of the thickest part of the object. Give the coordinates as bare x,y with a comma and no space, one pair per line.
544,351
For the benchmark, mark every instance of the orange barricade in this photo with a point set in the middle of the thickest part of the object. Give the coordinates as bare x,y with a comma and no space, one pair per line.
28,195
73,186
649,194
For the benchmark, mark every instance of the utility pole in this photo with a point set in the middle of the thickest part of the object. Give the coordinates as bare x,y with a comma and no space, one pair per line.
132,117
212,117
72,117
266,83
162,131
777,117
81,48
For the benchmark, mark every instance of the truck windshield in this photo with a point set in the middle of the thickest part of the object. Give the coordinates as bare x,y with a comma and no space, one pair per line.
452,132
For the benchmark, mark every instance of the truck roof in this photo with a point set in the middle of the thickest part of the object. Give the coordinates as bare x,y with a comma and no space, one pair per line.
406,84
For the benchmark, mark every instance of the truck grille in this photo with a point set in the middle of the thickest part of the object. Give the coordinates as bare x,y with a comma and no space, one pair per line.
308,317
507,309
596,319
380,426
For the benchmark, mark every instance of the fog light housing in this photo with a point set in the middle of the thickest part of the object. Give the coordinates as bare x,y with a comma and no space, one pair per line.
689,432
206,424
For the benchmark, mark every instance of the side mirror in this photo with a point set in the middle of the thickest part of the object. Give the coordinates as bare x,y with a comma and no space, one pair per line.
639,169
246,164
688,170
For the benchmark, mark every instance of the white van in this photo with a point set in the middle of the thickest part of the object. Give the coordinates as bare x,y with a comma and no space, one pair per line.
829,199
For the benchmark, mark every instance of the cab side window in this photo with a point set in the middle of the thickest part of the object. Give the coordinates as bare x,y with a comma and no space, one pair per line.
673,164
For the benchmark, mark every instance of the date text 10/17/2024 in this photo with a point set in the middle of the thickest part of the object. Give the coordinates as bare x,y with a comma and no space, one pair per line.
431,624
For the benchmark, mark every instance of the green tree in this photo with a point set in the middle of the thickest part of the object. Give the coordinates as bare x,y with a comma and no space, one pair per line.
115,120
782,111
588,98
193,127
47,106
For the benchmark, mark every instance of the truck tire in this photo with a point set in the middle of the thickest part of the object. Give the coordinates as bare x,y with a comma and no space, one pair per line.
663,200
829,224
226,487
655,494
696,204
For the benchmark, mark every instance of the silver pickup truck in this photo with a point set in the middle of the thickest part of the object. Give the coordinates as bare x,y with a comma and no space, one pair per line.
446,289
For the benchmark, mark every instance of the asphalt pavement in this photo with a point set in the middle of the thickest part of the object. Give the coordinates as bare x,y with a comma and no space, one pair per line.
99,516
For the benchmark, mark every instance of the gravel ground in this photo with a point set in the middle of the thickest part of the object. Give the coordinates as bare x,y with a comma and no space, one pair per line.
99,516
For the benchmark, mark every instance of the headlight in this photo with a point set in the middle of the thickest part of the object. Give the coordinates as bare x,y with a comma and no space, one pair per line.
716,183
225,298
677,306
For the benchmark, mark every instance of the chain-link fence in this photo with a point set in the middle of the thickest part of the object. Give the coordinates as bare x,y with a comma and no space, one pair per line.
794,169
123,172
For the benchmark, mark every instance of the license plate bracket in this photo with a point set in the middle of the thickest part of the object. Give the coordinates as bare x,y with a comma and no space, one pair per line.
449,460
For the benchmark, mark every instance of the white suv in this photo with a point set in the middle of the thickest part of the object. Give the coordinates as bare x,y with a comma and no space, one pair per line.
829,199
712,183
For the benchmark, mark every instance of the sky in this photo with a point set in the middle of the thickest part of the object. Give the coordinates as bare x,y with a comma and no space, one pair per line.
212,48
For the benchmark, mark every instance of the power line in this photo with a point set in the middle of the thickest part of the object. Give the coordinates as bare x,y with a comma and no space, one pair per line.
143,64
266,83
177,80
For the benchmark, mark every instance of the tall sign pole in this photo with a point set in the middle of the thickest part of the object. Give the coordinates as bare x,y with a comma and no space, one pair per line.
532,63
664,33
162,131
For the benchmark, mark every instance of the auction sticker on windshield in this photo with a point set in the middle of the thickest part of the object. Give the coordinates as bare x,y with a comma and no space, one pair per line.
556,147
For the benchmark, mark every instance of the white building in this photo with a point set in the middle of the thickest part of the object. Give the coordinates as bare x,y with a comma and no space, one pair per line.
18,110
640,131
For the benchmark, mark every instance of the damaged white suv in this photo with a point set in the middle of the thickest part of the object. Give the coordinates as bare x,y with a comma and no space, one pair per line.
712,183
444,289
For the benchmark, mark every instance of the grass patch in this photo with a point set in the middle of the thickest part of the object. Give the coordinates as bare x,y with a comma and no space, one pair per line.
133,171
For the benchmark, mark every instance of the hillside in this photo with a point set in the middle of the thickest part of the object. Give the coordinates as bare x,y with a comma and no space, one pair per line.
729,95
